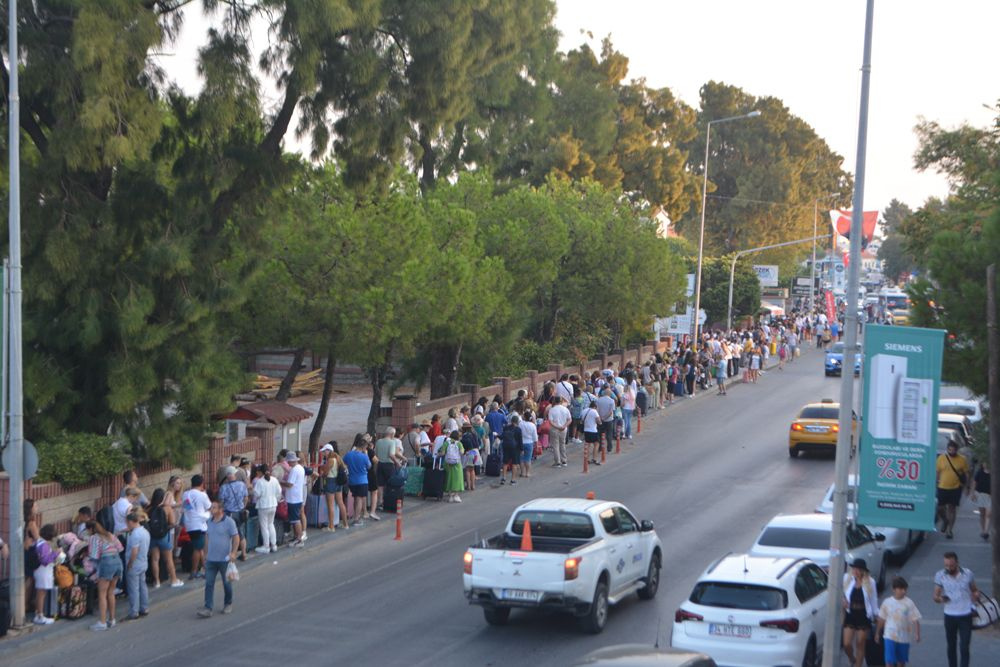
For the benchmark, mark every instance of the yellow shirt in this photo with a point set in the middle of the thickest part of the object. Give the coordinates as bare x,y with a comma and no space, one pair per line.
947,478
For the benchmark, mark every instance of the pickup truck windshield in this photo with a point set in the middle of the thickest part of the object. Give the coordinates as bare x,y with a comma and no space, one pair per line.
738,596
555,524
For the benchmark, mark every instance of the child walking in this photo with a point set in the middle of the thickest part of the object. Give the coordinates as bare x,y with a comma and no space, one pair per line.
898,623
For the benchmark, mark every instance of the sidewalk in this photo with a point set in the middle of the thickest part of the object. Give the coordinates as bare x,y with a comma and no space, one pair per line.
919,570
24,638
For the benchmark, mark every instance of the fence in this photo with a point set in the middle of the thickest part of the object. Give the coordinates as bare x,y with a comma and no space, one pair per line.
57,504
406,409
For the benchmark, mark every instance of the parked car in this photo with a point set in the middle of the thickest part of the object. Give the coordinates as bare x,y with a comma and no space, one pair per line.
641,655
808,536
899,542
959,423
586,555
835,359
746,610
961,406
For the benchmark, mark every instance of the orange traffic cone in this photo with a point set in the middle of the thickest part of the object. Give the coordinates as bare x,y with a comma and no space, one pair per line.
526,538
590,495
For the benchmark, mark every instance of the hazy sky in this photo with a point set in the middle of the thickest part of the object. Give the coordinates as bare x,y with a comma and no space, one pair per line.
935,59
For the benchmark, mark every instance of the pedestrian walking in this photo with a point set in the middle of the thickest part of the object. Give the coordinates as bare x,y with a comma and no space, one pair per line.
952,478
898,625
137,555
222,541
980,496
955,588
860,605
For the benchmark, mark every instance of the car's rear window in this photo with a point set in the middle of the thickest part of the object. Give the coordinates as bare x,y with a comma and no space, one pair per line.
738,596
814,412
555,524
799,538
958,410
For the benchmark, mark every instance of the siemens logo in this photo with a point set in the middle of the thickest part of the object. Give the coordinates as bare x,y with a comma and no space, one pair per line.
899,347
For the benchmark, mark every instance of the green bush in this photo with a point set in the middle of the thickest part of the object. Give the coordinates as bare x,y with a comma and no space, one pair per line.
79,458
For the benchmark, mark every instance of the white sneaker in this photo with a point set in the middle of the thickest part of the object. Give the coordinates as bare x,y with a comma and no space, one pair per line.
97,627
262,550
458,499
177,584
304,536
44,620
374,517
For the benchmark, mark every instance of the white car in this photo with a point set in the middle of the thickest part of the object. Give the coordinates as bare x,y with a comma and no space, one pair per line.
899,542
753,611
808,536
961,406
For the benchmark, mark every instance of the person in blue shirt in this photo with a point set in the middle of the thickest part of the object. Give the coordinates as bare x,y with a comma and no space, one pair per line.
496,420
358,463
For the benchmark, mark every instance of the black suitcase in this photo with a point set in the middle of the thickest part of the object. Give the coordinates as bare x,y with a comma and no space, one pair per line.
4,607
641,402
391,495
874,653
187,557
434,483
493,465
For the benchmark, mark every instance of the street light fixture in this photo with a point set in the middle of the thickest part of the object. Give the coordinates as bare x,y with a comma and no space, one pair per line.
701,232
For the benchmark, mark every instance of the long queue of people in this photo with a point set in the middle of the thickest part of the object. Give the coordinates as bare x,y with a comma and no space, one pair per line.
133,543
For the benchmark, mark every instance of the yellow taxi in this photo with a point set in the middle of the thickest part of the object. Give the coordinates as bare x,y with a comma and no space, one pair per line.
816,428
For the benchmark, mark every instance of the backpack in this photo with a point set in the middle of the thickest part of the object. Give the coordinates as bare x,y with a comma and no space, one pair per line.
453,453
157,525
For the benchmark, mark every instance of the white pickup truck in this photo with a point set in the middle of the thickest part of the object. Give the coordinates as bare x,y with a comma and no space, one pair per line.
586,555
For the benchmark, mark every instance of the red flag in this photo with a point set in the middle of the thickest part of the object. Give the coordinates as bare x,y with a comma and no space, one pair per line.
831,311
847,259
841,220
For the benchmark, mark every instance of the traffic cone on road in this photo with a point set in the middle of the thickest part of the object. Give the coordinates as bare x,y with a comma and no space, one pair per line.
526,538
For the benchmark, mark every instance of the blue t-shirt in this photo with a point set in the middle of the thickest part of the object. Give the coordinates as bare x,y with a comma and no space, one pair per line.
220,539
357,463
139,537
233,496
496,420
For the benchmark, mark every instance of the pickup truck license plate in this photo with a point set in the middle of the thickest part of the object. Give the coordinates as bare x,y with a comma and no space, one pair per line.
728,630
518,594
817,429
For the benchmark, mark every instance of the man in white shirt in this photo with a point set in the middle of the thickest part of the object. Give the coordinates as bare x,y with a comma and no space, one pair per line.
122,507
197,508
564,389
294,486
559,418
955,588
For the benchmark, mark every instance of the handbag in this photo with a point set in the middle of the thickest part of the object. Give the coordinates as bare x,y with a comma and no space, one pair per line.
986,612
281,511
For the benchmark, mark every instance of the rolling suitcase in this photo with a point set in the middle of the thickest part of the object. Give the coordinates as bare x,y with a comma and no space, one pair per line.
4,607
414,481
434,481
317,515
493,465
72,602
390,496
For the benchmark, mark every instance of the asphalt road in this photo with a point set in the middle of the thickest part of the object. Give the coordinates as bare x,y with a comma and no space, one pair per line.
709,472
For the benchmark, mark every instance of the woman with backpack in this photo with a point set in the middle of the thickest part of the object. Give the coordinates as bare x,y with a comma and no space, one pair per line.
453,482
161,529
334,474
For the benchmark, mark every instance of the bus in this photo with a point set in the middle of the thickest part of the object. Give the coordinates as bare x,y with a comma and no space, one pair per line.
895,306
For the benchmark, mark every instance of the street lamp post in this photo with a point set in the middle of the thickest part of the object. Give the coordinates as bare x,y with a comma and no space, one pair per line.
701,231
736,256
812,288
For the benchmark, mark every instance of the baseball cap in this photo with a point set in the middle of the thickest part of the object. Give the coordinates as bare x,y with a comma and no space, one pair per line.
326,448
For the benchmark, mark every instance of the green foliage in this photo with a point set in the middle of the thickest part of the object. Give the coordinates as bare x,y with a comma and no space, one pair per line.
715,290
765,174
79,458
956,240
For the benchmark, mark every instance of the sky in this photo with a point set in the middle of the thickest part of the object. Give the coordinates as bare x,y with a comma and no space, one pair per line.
937,60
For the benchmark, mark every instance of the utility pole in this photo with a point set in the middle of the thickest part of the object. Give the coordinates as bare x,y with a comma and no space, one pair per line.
16,403
838,534
993,391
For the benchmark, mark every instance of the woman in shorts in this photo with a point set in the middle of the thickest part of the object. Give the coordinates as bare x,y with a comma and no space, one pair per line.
860,603
529,436
163,548
329,470
105,550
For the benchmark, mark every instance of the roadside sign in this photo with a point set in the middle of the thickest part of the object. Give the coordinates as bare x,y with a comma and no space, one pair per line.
803,281
30,462
902,381
767,274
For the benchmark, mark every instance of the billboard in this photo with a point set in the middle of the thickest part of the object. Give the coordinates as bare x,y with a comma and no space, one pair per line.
902,380
767,274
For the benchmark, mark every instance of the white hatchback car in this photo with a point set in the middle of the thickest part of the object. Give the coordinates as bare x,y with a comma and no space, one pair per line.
899,542
752,611
808,536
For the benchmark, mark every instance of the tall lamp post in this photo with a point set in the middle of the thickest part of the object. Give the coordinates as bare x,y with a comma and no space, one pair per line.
701,232
812,288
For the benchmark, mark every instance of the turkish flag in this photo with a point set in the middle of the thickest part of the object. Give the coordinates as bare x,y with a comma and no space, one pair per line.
841,220
847,259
